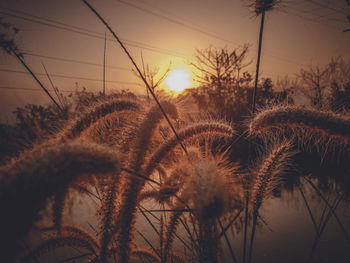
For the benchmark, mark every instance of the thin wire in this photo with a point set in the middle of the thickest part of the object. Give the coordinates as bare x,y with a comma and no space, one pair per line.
312,20
319,16
139,72
31,89
74,61
70,77
30,72
177,22
95,35
328,7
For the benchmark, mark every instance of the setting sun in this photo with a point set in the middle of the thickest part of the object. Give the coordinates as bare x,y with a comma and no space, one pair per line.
179,80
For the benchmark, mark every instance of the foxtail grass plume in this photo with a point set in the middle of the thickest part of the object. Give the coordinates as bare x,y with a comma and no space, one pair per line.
71,236
109,212
206,189
114,130
7,38
146,253
146,131
210,190
192,132
177,258
268,173
95,113
26,183
209,183
260,6
322,127
171,230
266,178
133,187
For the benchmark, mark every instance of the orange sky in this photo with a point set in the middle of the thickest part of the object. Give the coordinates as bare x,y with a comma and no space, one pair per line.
296,34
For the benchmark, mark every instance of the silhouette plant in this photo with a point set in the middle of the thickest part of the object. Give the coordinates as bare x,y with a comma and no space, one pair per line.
201,192
8,44
260,7
191,174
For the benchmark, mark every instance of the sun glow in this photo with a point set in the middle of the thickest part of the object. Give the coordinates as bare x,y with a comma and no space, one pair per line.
179,80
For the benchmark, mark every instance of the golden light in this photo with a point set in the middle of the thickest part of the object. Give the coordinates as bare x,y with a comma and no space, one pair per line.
179,80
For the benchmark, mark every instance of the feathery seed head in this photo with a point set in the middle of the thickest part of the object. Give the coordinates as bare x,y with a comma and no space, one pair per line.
322,129
26,184
146,129
207,188
192,132
261,6
7,39
97,112
268,173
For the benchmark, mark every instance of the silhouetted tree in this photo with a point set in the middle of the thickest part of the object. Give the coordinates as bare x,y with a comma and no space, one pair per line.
314,82
224,86
327,86
226,89
339,99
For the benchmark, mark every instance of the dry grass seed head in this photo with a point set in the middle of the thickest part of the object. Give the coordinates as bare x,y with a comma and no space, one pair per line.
115,129
192,132
109,212
267,174
97,112
26,183
210,188
146,131
171,227
260,6
71,236
312,128
145,253
290,117
133,187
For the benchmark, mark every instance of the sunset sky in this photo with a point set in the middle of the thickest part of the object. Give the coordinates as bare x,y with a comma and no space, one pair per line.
68,38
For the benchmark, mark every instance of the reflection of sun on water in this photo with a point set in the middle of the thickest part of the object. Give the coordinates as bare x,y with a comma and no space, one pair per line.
178,80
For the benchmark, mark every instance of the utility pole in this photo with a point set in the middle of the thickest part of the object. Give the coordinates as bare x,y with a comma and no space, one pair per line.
104,67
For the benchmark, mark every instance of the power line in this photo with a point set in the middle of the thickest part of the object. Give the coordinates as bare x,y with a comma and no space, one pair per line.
98,35
312,20
295,2
71,77
320,5
74,61
48,20
191,27
328,7
318,16
94,34
167,13
31,89
198,30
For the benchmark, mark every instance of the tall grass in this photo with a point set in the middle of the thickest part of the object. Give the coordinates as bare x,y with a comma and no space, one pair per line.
188,173
27,183
200,193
